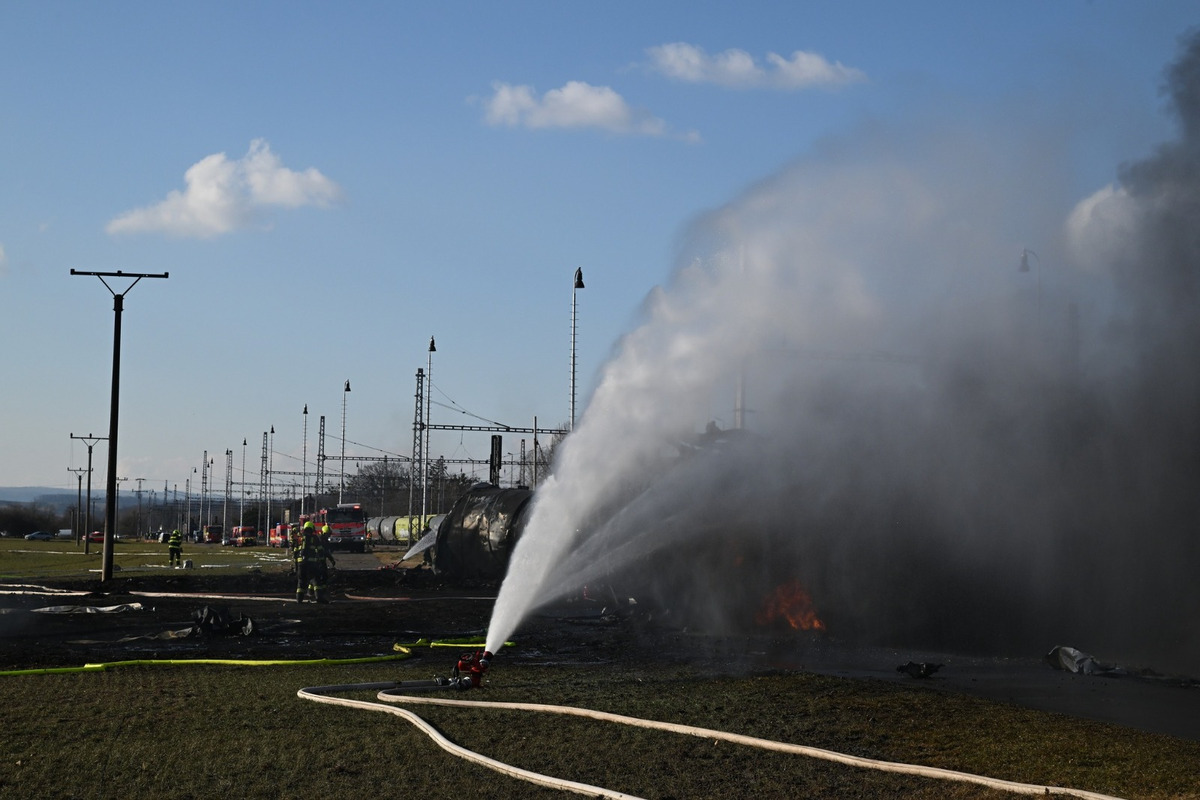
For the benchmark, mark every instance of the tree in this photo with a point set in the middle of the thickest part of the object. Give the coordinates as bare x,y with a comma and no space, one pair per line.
381,487
18,519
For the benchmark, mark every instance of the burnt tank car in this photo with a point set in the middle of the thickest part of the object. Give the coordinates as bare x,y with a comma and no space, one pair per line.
477,535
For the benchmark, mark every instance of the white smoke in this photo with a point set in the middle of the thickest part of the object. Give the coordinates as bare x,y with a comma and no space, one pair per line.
944,450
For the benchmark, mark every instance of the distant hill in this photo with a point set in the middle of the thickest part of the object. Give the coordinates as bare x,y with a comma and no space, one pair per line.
49,496
26,494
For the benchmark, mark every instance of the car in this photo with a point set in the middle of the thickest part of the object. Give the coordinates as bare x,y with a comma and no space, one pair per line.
39,536
96,536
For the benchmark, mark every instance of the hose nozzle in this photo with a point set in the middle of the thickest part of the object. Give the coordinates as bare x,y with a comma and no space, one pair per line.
470,668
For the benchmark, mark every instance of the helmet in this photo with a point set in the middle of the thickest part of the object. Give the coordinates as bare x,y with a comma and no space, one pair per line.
175,531
308,526
324,529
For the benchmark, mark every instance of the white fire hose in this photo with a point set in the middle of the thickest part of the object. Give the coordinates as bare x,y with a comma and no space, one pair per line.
387,694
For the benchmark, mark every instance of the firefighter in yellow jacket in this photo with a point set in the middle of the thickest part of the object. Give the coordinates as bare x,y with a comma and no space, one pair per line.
310,564
175,549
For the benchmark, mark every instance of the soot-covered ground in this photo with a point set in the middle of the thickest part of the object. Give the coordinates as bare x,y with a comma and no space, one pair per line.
254,616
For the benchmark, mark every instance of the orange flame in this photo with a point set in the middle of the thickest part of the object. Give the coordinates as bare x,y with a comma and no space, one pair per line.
792,604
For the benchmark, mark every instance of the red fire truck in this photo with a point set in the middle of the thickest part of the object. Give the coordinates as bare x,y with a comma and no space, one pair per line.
280,536
347,526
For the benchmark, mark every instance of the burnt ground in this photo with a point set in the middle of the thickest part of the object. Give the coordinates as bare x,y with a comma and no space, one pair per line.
372,610
368,613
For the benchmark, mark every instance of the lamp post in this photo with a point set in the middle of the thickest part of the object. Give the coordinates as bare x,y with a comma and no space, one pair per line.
342,472
576,286
304,456
228,484
270,482
425,450
1025,254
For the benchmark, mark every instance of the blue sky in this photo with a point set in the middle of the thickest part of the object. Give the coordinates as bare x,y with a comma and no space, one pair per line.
330,185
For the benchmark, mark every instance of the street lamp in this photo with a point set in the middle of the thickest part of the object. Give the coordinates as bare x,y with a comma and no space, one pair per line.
228,486
1025,254
304,456
576,286
425,450
342,479
270,476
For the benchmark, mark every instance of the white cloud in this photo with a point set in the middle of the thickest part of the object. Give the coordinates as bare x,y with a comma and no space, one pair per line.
576,105
223,195
737,69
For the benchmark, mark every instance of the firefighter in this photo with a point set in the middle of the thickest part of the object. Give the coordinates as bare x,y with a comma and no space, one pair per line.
294,541
175,549
310,564
325,556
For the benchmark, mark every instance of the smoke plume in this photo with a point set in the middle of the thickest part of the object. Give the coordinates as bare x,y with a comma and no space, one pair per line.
944,450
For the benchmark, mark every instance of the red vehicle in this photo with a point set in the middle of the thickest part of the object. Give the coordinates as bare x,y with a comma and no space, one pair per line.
213,534
347,526
279,536
243,536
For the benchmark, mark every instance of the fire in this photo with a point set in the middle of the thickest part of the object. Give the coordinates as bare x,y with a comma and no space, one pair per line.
791,603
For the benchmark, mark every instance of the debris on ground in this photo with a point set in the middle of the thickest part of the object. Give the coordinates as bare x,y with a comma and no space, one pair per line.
1069,659
918,670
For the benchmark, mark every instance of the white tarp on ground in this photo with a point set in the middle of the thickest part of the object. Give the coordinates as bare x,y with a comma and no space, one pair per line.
90,609
1071,660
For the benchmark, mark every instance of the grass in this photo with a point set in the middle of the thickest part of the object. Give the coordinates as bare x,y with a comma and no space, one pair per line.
198,732
64,559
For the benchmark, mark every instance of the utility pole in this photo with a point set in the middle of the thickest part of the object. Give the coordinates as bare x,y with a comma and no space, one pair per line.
138,532
110,522
228,487
78,500
417,464
262,483
320,480
342,471
242,509
90,441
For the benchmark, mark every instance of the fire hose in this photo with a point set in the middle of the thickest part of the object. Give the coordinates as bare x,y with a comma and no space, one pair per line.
468,673
477,663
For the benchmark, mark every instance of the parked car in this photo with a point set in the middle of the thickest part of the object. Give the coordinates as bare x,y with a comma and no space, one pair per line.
39,536
96,536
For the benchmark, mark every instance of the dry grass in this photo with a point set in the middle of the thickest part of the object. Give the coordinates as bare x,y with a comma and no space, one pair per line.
63,559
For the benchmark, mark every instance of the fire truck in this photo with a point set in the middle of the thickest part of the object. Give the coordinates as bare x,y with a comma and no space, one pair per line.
347,526
280,535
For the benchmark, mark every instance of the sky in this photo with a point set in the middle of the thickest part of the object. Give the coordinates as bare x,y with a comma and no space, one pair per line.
330,186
